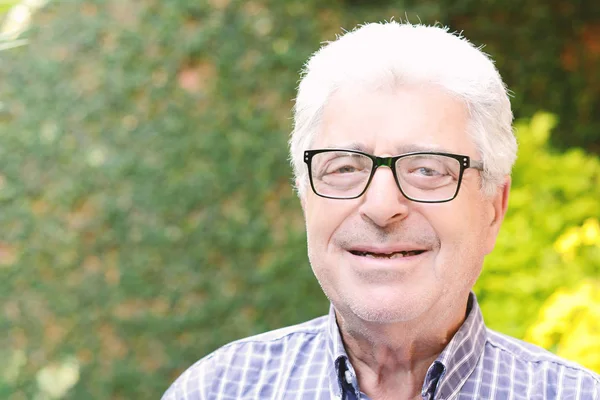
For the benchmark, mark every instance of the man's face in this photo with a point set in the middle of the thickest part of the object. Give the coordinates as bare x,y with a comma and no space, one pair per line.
348,239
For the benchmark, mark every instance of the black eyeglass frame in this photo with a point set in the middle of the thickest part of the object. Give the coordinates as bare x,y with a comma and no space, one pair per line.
465,162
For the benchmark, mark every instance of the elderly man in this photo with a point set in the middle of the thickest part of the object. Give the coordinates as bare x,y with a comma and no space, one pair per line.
402,150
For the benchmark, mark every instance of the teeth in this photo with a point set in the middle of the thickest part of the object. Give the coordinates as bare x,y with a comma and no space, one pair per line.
399,254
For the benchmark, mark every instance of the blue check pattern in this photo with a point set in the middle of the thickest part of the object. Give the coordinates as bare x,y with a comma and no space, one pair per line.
309,362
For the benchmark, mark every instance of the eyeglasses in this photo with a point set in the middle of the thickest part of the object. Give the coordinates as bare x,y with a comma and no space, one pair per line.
424,177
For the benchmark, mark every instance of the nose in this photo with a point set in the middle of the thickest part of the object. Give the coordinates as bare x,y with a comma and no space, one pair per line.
383,203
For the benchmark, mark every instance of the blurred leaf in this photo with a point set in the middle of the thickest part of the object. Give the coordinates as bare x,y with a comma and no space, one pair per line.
147,212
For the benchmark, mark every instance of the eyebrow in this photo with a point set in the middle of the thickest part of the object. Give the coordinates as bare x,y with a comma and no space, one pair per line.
411,148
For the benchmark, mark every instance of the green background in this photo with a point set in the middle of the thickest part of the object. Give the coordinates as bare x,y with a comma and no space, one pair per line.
147,209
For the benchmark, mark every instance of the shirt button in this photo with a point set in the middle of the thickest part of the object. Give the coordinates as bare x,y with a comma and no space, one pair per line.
348,375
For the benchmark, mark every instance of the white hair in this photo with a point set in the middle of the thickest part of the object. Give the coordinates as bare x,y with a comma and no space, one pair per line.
391,54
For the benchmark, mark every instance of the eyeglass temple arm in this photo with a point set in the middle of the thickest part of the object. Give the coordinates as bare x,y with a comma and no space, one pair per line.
478,165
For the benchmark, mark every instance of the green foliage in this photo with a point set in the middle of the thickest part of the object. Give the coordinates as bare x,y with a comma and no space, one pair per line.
551,192
569,323
6,5
7,40
147,212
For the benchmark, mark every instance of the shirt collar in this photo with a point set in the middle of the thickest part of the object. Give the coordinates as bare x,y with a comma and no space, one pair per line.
461,355
447,373
337,352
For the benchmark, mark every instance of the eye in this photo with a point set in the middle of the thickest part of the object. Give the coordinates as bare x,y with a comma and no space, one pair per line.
344,169
426,168
427,171
345,165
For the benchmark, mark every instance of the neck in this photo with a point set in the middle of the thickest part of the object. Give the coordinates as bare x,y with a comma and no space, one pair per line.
394,358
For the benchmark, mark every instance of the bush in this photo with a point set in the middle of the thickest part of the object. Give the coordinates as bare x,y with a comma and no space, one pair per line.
147,211
569,323
552,193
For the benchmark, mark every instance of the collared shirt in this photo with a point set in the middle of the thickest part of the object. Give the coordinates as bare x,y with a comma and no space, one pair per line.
308,361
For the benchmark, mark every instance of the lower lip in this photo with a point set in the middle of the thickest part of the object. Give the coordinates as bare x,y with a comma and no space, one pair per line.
383,262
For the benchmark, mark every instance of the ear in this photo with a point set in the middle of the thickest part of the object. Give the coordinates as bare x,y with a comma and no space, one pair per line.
499,205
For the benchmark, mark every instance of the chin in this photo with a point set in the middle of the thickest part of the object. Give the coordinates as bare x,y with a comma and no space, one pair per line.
388,310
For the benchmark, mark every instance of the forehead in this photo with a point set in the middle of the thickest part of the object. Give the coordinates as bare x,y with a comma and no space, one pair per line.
396,121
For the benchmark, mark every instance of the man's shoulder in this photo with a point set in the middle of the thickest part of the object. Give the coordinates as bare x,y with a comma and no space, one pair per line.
248,361
276,342
540,361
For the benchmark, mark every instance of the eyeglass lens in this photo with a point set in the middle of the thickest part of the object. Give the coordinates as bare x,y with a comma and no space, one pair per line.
425,177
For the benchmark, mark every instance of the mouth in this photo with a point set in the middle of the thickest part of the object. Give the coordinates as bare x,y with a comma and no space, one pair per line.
392,255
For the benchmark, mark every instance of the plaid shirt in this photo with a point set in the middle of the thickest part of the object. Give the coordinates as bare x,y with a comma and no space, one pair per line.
308,361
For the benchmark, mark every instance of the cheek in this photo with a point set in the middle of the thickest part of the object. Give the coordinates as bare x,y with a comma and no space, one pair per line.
460,229
323,218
